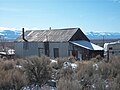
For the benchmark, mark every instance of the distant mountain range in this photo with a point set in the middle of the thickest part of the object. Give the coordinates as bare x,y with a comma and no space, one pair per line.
13,34
105,35
9,34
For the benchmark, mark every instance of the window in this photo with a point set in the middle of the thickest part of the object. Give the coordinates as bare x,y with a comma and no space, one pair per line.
112,52
110,48
56,52
25,45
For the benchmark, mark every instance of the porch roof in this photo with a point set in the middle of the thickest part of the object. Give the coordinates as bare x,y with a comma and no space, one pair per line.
86,45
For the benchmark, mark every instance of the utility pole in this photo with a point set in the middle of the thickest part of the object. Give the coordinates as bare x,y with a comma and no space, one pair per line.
103,41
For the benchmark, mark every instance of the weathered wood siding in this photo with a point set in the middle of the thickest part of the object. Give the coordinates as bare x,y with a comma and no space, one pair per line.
21,52
63,48
34,47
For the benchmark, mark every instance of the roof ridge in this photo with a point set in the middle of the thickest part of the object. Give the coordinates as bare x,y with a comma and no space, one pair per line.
65,29
54,29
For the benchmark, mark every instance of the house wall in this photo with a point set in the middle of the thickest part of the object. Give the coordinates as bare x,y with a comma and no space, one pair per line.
63,48
37,48
79,52
31,50
84,54
114,49
19,49
111,50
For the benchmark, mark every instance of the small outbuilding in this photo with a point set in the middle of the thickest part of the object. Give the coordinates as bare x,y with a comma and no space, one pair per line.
112,49
56,43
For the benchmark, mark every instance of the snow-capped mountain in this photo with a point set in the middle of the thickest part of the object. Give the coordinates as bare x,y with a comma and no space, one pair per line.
13,34
105,35
9,34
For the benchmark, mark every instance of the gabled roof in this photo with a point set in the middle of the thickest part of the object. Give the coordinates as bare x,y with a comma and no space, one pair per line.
54,35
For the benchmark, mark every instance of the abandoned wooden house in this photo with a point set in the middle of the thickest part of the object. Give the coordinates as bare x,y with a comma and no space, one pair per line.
56,43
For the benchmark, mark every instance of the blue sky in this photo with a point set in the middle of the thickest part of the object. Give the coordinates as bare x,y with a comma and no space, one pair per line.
89,15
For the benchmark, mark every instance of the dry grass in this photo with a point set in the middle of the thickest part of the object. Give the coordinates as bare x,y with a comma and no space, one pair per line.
68,84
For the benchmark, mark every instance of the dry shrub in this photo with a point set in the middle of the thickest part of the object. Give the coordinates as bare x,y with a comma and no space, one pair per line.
38,70
91,75
66,79
85,69
72,59
105,69
115,83
60,62
68,84
20,61
6,65
105,77
94,60
12,79
66,72
98,58
115,61
81,64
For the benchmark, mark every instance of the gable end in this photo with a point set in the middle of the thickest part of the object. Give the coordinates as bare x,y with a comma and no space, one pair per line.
79,35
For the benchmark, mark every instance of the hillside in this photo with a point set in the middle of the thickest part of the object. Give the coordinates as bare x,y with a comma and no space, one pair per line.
9,34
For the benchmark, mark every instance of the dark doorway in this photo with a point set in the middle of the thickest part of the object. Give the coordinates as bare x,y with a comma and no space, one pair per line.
56,52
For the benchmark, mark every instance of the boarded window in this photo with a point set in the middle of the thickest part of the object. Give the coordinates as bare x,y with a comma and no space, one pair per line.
25,45
56,52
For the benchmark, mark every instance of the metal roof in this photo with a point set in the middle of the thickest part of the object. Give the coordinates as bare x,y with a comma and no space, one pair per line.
55,35
86,45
